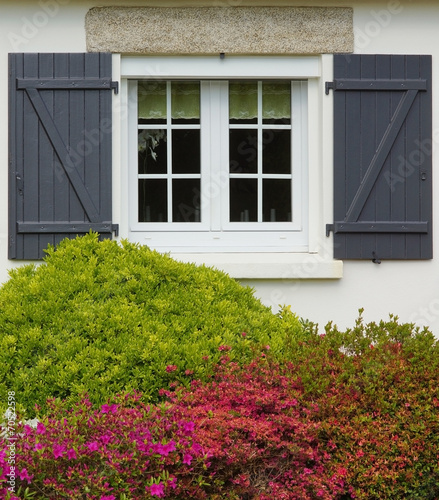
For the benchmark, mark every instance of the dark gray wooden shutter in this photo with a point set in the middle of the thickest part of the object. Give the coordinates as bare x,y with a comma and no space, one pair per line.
382,157
59,149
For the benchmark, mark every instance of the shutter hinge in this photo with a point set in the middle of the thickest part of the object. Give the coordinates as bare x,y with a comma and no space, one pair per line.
329,228
115,87
329,86
115,229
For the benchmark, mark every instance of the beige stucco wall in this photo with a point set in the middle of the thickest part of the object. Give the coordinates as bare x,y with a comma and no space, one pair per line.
212,30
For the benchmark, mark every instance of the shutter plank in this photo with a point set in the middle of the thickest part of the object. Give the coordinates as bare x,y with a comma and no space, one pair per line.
46,185
61,118
31,132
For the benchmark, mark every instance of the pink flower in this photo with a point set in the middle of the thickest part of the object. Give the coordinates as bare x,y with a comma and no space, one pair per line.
41,429
58,450
205,358
157,490
108,497
360,453
71,454
267,347
244,334
171,368
92,446
189,372
38,446
224,348
24,475
187,459
188,428
105,408
165,449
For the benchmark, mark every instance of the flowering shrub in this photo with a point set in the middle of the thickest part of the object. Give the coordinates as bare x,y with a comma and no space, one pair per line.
124,450
377,390
262,441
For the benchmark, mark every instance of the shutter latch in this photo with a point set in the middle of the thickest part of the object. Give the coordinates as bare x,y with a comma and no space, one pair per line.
329,86
19,184
329,228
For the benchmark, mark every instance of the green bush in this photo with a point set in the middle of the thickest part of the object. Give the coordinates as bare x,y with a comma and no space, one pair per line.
104,318
376,387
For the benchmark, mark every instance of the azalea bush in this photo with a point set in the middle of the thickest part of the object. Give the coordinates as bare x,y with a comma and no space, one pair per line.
261,434
124,450
105,318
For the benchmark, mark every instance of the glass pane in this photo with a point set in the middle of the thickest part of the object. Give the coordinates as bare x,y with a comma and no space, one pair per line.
243,102
153,196
276,200
186,200
153,152
276,151
243,200
185,102
186,151
276,102
243,147
151,101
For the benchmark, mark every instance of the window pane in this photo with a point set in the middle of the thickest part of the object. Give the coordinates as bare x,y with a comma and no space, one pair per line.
276,102
276,200
153,198
186,151
185,102
243,102
186,200
151,99
153,153
243,146
243,200
276,152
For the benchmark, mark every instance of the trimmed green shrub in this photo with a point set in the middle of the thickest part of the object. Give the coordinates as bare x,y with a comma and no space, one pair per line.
104,318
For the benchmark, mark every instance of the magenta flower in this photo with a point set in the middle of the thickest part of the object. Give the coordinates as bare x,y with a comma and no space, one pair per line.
244,334
108,497
157,490
172,482
187,459
92,446
58,450
171,368
24,475
71,454
41,429
188,428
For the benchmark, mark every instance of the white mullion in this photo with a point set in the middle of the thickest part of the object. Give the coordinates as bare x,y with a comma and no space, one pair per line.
169,149
260,146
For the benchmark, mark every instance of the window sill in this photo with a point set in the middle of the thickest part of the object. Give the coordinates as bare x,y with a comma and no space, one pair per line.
268,265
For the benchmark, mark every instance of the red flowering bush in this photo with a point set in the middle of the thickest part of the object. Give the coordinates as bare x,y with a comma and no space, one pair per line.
124,450
262,441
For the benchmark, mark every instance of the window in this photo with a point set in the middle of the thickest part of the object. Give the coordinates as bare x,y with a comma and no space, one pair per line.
219,164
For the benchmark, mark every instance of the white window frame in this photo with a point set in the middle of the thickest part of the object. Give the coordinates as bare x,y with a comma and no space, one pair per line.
316,261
